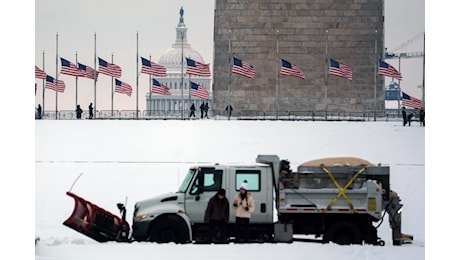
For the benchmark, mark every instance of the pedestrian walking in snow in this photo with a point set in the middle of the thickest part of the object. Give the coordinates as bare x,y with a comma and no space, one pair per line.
206,108
90,108
422,116
404,116
202,110
192,110
79,111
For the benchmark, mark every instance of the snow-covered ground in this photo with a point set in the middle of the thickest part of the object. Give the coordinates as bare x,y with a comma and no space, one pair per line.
126,161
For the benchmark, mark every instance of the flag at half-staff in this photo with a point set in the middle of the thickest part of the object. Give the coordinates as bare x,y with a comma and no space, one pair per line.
409,101
386,69
39,73
68,68
51,84
289,69
197,68
151,68
109,69
340,70
159,88
198,91
243,68
123,88
88,71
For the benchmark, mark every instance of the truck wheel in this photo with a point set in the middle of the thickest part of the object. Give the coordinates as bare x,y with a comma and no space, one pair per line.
169,229
343,233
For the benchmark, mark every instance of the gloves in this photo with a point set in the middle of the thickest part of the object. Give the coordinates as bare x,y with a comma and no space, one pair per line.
247,208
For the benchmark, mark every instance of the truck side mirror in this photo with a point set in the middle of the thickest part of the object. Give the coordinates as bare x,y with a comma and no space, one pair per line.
200,189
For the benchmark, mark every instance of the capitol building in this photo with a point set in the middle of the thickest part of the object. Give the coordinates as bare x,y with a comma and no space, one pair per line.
174,61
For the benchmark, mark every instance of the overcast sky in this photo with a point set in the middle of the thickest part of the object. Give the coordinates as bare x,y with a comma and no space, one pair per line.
72,26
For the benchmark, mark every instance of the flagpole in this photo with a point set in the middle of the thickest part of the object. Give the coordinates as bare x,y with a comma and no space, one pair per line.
277,75
189,84
56,83
43,86
399,81
229,72
326,73
375,75
76,81
150,88
423,82
137,75
182,75
95,73
112,86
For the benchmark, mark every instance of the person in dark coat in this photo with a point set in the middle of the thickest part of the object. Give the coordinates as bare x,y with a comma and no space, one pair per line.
192,110
202,109
39,112
409,118
90,108
206,108
217,216
422,116
229,110
404,116
79,111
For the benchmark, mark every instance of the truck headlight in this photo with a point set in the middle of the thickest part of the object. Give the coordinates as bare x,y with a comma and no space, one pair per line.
140,217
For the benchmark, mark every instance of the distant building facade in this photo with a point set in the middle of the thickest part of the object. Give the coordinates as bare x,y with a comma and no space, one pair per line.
307,34
174,61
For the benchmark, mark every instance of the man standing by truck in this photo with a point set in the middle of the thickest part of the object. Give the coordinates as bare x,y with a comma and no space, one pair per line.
243,203
217,216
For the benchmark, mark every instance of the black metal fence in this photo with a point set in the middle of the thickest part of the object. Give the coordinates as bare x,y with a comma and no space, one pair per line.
319,115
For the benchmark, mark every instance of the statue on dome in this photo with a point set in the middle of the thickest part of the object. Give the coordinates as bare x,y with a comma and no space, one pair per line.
181,12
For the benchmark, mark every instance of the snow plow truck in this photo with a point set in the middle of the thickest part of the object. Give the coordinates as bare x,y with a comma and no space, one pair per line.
342,200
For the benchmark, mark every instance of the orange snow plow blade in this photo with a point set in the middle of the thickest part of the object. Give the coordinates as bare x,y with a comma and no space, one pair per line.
95,222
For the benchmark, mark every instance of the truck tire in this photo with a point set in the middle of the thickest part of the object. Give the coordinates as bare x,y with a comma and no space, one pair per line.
343,233
169,228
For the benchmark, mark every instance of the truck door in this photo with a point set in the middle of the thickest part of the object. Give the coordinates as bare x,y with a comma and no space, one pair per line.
206,184
259,185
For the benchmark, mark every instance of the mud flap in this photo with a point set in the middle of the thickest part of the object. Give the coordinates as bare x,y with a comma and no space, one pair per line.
95,222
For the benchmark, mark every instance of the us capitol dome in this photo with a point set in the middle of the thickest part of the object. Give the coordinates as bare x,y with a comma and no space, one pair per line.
174,61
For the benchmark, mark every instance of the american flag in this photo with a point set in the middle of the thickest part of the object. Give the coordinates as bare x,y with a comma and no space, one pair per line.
386,69
151,68
39,74
159,88
197,68
123,88
51,84
89,72
68,68
290,69
340,70
409,101
243,68
197,90
109,69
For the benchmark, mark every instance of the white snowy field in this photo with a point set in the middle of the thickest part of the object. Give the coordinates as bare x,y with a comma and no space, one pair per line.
126,161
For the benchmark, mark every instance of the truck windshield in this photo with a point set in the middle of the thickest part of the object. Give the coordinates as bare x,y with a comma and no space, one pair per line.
186,181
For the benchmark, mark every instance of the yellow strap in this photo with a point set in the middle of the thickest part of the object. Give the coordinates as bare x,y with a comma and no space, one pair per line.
341,190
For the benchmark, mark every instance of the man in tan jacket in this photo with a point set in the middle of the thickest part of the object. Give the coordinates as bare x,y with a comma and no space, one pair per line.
243,203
